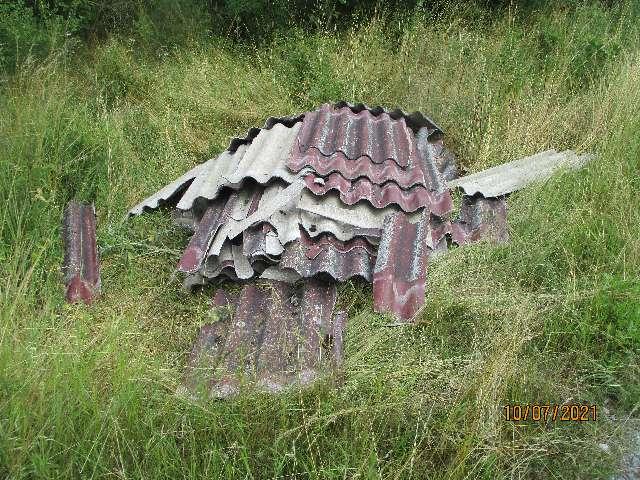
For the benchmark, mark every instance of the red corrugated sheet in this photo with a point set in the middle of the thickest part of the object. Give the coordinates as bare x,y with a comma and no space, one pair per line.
214,217
401,267
357,135
81,267
481,219
380,196
371,157
270,337
326,255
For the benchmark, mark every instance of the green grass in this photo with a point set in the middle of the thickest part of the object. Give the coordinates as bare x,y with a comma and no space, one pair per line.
552,316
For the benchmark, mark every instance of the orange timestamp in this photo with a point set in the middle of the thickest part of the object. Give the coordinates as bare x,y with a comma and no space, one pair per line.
553,412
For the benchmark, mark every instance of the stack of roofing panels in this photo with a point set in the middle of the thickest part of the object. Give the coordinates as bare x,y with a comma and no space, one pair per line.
345,191
320,195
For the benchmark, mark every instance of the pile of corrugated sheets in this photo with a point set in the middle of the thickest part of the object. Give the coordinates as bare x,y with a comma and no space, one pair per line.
340,192
345,191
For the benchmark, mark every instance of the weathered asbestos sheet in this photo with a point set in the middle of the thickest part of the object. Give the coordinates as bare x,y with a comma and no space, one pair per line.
401,267
265,157
355,135
481,219
276,206
262,160
361,215
415,120
216,215
373,158
316,225
512,176
80,267
164,195
288,121
273,336
327,256
380,196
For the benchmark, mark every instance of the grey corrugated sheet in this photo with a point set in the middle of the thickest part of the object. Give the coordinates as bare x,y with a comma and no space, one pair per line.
252,133
266,156
316,225
261,160
238,213
166,193
280,275
512,176
361,215
211,178
276,199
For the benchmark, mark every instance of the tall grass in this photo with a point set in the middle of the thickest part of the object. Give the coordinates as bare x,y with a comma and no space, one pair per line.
550,317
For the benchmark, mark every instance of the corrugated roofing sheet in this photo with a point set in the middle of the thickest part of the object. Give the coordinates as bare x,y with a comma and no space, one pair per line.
271,337
373,158
277,199
352,169
512,176
210,179
481,219
316,225
216,215
80,266
415,120
261,244
252,133
380,196
167,193
361,215
401,267
262,160
325,255
381,138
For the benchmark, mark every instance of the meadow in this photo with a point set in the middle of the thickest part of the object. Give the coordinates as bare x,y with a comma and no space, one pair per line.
552,316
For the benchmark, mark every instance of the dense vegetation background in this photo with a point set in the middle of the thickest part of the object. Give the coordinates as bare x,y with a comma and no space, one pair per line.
108,101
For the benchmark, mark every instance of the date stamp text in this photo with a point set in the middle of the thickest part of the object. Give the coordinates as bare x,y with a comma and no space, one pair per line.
553,412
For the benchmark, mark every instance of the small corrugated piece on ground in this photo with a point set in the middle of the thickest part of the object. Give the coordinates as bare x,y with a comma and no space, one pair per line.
80,267
271,337
401,267
481,219
327,256
512,176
